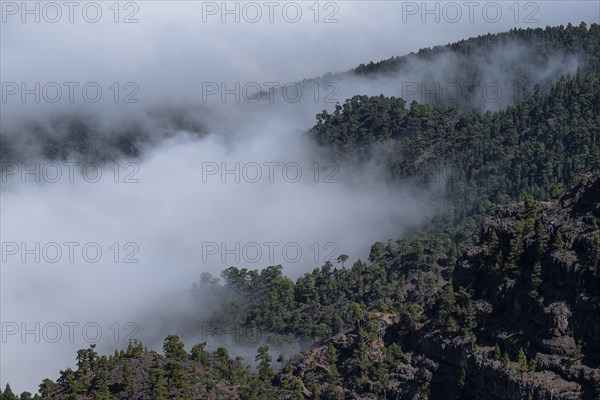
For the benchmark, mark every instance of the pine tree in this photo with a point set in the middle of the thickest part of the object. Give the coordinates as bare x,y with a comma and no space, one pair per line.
497,353
558,241
536,280
101,380
297,384
556,191
541,239
158,388
469,319
264,363
532,368
127,380
523,364
8,393
491,251
199,354
332,358
516,245
395,353
47,387
448,308
506,360
173,347
177,380
376,251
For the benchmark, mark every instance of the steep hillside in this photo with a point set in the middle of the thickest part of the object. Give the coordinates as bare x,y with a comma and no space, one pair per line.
527,58
536,147
497,297
518,319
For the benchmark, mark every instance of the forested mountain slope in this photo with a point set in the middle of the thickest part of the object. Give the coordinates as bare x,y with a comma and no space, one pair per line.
580,40
496,298
515,61
518,318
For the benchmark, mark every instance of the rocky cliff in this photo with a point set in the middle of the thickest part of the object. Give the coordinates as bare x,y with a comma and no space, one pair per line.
521,320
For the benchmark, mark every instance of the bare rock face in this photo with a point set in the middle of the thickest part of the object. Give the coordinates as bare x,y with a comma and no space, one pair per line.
534,285
558,322
560,313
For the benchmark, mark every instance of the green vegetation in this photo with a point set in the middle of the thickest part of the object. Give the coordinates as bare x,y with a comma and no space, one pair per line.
524,154
482,159
536,280
523,363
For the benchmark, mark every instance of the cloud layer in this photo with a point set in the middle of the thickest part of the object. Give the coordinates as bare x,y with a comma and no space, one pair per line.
181,206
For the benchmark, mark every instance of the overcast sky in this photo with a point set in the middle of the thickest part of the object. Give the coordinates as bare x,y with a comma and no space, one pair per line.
164,56
175,46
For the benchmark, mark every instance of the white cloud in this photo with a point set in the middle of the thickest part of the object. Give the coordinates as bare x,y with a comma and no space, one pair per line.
170,212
